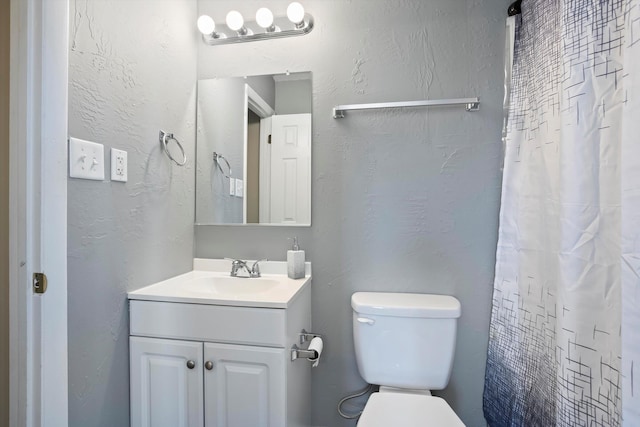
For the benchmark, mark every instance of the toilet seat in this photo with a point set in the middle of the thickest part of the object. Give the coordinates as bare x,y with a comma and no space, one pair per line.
407,410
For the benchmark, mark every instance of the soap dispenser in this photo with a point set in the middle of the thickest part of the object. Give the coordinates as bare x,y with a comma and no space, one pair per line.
295,261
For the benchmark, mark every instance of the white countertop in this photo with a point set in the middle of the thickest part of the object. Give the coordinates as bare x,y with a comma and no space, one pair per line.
210,283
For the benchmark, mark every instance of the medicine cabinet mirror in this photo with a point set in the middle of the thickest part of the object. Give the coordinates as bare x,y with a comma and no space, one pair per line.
253,152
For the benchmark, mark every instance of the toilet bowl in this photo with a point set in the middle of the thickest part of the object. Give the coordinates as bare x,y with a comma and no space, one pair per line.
405,343
407,410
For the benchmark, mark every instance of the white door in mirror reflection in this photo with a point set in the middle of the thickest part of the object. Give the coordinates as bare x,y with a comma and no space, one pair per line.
289,192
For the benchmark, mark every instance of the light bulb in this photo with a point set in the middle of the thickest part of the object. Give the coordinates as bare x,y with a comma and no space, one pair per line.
206,25
295,13
264,17
235,21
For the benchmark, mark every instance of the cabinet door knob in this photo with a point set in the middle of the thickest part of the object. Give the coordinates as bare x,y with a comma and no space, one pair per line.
208,365
191,364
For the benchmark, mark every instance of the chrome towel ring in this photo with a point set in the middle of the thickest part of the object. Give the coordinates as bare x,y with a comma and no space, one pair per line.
216,159
165,138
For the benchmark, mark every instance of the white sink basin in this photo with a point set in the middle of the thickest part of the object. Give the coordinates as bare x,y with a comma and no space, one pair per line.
232,286
210,283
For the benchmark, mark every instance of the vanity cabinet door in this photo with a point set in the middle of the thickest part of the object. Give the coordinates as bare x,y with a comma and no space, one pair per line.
166,383
245,386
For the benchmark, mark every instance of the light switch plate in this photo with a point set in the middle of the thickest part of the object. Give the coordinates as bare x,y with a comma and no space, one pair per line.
86,159
239,188
232,186
118,165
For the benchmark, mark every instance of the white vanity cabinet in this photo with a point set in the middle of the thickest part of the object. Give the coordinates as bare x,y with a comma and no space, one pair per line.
166,382
215,365
246,386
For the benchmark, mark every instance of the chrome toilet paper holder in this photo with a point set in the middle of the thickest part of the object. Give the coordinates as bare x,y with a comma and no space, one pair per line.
301,353
307,336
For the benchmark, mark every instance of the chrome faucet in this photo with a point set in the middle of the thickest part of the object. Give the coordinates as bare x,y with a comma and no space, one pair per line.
255,269
238,264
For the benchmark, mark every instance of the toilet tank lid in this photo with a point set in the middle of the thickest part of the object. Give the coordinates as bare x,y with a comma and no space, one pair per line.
406,305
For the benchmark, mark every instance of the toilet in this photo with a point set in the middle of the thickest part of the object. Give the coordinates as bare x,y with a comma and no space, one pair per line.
405,344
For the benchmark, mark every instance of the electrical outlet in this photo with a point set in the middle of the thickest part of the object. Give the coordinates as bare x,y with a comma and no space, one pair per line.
118,165
239,188
86,159
232,186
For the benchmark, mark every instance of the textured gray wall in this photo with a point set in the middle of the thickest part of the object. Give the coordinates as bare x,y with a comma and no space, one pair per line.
294,97
220,129
403,200
265,86
4,212
132,72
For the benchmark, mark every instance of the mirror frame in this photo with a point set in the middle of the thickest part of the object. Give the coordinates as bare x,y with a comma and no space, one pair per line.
254,102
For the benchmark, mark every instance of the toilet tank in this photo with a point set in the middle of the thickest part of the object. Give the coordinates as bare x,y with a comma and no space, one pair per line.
405,340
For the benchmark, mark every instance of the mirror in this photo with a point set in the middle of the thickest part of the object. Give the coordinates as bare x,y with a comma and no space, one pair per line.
253,150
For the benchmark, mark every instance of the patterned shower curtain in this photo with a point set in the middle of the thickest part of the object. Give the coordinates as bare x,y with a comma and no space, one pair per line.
565,328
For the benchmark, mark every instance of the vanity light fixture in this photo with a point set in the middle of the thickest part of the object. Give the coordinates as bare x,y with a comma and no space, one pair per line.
266,26
207,27
235,22
264,18
295,13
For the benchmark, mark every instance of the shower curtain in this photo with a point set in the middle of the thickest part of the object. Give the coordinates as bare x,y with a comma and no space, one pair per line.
565,327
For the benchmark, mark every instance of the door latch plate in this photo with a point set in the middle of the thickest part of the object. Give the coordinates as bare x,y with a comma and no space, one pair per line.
39,283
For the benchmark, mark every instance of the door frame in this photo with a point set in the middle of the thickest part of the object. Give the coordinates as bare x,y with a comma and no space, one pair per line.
254,102
265,170
38,211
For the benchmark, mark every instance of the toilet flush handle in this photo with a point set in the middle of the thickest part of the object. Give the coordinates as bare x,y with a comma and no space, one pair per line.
366,320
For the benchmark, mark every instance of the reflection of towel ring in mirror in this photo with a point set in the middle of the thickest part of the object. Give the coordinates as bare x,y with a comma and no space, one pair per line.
164,139
216,159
